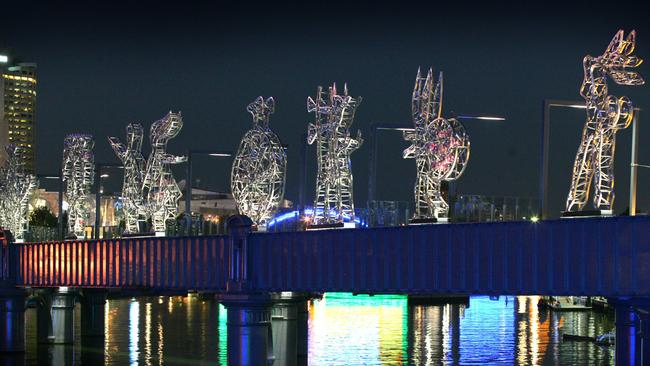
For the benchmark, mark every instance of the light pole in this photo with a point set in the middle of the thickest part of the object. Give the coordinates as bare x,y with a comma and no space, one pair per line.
634,166
546,124
372,169
99,168
188,175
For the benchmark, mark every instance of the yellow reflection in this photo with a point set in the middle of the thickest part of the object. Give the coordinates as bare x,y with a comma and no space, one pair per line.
147,334
160,343
350,324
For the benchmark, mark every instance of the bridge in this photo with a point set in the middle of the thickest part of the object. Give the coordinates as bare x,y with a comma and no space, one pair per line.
250,271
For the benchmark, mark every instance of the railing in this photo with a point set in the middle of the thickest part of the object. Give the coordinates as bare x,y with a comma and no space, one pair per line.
478,208
158,263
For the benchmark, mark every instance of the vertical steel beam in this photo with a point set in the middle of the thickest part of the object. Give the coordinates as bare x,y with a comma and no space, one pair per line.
543,174
633,162
188,183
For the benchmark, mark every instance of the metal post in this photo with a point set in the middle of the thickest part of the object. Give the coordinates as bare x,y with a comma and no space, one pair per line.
633,162
303,174
98,199
372,168
543,182
60,218
188,184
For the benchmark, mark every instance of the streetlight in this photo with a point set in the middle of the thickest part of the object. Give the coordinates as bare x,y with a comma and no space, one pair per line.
546,124
372,173
188,175
98,192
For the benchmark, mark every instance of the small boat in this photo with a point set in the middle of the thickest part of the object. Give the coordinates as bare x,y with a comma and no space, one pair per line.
566,303
599,302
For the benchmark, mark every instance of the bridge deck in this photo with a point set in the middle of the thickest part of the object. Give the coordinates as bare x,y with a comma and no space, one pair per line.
587,256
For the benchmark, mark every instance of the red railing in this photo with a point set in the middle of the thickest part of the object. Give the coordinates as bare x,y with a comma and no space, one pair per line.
185,263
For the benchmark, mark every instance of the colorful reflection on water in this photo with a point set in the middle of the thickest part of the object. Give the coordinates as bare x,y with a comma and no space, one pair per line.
343,330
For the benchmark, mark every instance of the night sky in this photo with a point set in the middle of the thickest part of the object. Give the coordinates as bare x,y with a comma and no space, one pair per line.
102,68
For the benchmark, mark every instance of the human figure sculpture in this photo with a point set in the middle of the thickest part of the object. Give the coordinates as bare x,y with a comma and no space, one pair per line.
159,187
16,188
606,115
78,177
258,172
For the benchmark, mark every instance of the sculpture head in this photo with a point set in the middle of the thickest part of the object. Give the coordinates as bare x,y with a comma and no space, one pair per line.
426,101
261,109
618,60
166,128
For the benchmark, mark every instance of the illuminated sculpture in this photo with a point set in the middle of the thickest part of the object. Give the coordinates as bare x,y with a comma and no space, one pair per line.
334,116
131,156
258,171
78,176
159,188
16,188
439,146
606,114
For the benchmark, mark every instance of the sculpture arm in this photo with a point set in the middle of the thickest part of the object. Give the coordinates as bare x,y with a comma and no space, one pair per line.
312,133
173,159
118,147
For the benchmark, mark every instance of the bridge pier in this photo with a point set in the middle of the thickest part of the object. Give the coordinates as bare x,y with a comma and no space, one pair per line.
55,316
632,331
93,302
12,320
289,328
249,329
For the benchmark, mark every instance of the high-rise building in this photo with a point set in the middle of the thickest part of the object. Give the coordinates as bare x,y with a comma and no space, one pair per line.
18,108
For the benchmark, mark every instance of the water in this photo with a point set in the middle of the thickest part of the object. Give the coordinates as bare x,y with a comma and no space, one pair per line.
343,330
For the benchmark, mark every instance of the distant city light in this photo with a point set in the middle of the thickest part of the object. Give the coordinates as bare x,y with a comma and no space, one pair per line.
4,59
104,175
220,154
534,219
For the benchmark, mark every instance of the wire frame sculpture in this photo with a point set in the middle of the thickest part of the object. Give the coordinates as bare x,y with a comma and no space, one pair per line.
132,159
440,147
78,176
16,188
159,188
258,172
606,114
331,132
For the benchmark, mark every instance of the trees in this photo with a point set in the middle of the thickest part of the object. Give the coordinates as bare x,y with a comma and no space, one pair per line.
43,217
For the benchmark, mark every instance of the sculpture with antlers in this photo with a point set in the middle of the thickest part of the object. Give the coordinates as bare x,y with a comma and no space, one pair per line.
131,156
606,114
331,131
439,146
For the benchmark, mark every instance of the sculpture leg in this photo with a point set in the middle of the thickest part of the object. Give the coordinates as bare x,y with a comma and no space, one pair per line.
582,172
422,204
440,207
604,171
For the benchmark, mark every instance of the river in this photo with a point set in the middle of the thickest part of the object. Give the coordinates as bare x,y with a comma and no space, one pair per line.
343,330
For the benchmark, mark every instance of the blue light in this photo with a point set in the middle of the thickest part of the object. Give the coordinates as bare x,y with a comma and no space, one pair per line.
309,212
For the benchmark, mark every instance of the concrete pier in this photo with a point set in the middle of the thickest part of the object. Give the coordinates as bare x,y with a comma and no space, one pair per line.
632,331
55,313
249,329
93,302
289,328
